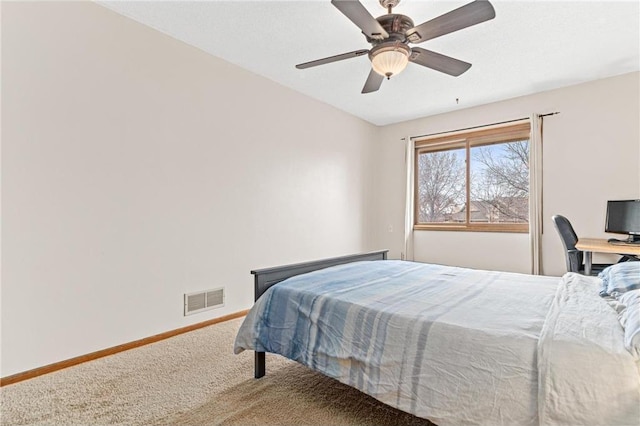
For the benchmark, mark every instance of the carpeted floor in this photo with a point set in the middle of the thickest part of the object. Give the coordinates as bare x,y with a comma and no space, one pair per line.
191,379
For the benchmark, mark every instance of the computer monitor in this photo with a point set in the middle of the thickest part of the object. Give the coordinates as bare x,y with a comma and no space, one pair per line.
623,217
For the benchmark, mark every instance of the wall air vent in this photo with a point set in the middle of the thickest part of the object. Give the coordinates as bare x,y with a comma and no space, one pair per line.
203,301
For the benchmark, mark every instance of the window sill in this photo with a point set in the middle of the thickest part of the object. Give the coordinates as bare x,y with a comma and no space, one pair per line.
508,228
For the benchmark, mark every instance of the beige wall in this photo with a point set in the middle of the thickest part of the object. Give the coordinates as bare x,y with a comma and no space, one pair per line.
136,168
591,154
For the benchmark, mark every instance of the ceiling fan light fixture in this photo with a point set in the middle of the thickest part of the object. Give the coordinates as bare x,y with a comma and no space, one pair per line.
389,59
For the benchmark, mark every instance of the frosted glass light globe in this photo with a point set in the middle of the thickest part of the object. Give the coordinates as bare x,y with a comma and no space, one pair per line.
388,60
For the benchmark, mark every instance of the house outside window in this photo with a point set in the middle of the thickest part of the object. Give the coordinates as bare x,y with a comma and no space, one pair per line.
474,180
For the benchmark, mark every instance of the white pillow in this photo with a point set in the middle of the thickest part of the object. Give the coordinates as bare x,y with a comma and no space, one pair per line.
630,320
620,278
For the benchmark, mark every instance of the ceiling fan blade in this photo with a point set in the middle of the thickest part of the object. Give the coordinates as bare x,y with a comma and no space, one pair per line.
330,59
356,12
470,14
373,83
438,62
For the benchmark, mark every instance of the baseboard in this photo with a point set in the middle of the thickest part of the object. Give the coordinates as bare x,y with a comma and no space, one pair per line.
30,374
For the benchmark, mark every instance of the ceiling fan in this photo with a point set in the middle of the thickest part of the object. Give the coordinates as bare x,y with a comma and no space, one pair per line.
391,34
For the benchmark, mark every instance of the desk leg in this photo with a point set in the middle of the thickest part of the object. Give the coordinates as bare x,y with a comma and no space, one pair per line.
587,263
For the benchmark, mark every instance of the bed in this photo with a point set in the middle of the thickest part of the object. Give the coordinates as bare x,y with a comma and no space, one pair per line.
453,345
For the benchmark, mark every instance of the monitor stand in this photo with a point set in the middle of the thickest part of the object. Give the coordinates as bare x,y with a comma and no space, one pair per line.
632,239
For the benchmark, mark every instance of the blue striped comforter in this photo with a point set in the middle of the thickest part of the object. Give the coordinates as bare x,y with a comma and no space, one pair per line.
453,345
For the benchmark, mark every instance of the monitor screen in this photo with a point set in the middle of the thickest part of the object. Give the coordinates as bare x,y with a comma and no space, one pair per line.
623,217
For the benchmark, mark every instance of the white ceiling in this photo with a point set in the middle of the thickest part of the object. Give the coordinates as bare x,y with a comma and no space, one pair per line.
530,46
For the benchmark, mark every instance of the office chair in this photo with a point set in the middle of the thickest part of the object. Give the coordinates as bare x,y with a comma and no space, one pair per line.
573,256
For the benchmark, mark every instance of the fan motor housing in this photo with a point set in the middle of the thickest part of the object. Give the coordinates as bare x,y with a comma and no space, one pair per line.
394,24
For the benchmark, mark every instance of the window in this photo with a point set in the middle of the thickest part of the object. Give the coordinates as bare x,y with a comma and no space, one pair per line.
474,180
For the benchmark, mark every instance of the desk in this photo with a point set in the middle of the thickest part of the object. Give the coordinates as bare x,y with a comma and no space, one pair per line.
600,245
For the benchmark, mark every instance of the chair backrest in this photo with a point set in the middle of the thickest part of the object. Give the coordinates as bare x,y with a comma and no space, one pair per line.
569,239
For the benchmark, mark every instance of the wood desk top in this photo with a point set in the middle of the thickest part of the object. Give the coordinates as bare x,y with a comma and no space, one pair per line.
600,245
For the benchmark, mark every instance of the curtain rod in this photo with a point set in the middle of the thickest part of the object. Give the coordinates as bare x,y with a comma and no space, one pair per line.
484,125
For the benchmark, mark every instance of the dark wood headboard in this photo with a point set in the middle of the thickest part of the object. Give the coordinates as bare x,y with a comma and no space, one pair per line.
265,278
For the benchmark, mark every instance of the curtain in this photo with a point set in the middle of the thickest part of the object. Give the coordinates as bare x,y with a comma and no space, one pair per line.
535,194
409,208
